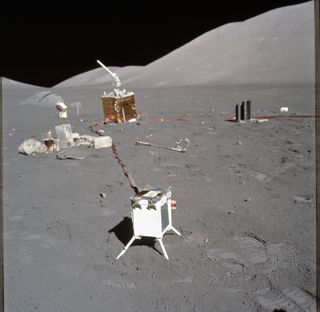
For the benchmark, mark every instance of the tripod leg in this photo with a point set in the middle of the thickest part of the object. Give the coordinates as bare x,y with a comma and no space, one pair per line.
175,230
126,247
163,249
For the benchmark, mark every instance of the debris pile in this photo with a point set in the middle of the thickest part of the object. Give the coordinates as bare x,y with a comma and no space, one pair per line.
65,143
31,147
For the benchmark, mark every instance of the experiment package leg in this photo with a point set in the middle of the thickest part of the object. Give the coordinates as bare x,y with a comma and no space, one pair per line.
163,249
175,230
126,247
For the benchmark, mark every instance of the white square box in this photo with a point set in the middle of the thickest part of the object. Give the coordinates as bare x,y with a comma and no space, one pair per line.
151,216
102,142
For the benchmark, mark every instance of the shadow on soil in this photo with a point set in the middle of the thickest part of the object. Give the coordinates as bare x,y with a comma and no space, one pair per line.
124,232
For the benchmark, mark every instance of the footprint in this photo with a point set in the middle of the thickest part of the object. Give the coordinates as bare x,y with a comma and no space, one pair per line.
106,212
261,176
283,169
59,229
15,218
230,270
245,258
254,249
289,299
120,284
281,256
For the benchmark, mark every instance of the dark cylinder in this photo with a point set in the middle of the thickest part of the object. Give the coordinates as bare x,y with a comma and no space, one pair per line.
237,112
242,115
248,109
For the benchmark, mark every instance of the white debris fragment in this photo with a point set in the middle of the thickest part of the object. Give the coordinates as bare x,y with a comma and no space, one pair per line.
261,120
102,142
85,140
96,142
284,109
64,134
63,115
32,146
182,144
75,136
303,199
73,153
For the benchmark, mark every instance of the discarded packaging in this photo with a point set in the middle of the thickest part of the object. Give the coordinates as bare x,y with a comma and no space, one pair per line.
73,153
102,142
95,142
32,146
64,134
85,140
151,216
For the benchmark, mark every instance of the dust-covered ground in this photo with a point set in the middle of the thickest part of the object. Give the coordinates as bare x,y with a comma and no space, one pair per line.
245,204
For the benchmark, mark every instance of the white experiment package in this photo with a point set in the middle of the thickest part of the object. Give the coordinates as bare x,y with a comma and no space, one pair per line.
151,216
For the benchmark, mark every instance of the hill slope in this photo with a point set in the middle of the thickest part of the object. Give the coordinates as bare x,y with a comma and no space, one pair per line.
274,47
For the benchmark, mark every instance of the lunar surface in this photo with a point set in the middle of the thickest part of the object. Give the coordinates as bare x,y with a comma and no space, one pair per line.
245,192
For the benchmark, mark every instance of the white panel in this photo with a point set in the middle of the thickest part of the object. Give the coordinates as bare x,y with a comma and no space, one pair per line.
146,222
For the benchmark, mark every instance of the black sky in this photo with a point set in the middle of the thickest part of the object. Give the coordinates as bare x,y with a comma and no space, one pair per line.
46,44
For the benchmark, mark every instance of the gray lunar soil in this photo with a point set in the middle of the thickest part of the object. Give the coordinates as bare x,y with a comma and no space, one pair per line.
245,196
245,206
